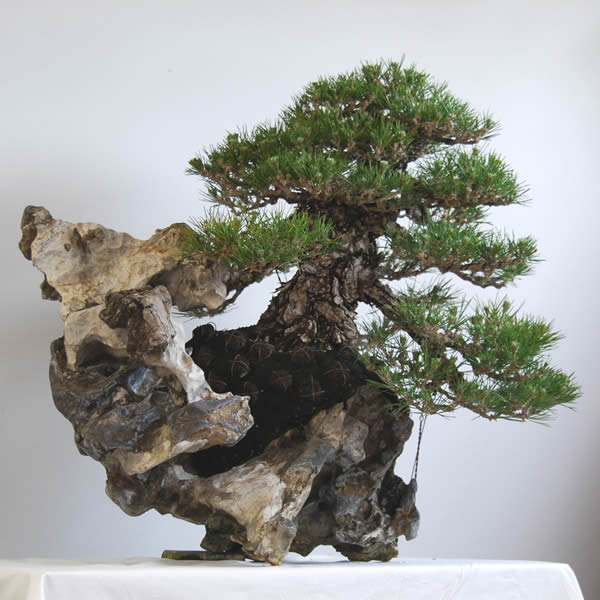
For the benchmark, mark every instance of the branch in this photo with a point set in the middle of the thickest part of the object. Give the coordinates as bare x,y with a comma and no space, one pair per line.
458,178
434,356
262,242
484,258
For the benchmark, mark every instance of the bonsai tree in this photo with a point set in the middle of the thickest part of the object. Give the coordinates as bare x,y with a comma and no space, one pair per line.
386,182
286,436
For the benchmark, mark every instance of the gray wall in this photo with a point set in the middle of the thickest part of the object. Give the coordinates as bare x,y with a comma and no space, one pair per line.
103,103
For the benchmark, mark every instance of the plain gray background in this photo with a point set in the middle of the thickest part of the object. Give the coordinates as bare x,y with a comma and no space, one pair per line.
103,103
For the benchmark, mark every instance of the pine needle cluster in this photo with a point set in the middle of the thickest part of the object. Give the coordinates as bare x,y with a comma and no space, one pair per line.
483,257
260,241
439,353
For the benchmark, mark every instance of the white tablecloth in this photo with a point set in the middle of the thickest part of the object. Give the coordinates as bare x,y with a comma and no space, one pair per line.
306,579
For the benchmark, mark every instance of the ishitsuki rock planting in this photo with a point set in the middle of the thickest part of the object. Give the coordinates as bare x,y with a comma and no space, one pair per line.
283,435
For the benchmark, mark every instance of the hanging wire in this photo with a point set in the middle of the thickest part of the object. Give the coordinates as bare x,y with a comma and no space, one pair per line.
422,419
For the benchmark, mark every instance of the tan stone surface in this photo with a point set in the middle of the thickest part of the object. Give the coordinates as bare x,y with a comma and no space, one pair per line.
83,262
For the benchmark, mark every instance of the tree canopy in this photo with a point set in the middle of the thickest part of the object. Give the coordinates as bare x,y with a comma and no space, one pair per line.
385,180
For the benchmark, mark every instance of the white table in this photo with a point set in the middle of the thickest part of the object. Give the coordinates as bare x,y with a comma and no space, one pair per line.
320,578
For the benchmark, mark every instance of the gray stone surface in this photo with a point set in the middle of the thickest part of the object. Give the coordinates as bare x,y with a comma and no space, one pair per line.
295,495
358,503
140,405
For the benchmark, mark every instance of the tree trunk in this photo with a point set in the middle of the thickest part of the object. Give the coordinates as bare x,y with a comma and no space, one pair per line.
317,307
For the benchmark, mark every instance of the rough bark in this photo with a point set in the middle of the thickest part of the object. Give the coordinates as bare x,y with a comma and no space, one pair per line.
318,305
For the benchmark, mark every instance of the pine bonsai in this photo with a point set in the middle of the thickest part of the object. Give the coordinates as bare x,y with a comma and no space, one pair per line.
286,436
387,182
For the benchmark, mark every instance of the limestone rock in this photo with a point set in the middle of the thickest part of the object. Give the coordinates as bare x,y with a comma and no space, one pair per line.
294,495
121,374
272,450
358,502
131,417
81,267
86,335
153,335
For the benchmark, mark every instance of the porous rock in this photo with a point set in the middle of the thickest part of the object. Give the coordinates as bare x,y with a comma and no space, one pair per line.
83,262
272,450
358,505
294,495
133,417
121,374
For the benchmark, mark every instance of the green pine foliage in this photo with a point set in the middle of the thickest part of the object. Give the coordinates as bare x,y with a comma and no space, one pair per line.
387,149
261,242
437,353
483,257
460,178
347,139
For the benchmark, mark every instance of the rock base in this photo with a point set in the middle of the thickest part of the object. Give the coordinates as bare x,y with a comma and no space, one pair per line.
273,451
